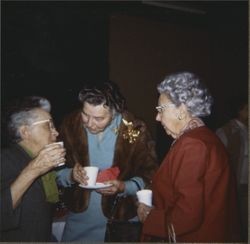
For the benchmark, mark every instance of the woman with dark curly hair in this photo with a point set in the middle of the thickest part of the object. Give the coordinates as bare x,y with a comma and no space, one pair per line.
103,134
193,190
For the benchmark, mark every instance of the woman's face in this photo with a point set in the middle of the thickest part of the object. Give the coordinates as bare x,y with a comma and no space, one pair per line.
96,118
169,116
41,132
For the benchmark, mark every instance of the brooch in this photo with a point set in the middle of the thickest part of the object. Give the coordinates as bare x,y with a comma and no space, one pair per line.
131,134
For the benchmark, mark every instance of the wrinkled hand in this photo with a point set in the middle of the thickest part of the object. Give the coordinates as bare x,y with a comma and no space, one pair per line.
49,157
117,187
143,211
79,174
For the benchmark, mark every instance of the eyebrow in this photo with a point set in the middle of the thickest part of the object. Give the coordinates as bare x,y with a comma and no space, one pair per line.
100,117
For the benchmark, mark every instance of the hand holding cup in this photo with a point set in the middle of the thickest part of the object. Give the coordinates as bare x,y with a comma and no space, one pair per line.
145,204
61,159
47,158
91,173
145,196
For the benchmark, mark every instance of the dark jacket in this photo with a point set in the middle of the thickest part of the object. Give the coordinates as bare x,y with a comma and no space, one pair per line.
235,146
134,158
32,218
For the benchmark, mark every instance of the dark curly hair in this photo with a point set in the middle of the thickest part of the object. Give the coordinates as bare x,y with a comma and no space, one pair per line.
106,93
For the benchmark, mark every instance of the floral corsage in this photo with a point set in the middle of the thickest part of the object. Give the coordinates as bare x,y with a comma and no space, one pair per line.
131,133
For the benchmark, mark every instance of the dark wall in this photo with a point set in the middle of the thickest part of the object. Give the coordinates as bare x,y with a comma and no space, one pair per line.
149,49
146,45
50,49
228,29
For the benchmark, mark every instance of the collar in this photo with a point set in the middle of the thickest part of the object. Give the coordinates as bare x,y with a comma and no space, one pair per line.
192,124
115,123
26,150
240,124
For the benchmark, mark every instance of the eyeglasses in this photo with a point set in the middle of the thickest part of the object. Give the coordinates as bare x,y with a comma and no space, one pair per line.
161,108
49,121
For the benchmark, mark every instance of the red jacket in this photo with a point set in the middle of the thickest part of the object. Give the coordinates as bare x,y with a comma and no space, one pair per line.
194,191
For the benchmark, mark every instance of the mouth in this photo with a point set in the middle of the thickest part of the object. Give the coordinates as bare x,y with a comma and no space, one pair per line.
89,128
93,131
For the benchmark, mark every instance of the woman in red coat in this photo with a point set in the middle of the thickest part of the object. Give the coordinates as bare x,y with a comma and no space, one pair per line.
193,190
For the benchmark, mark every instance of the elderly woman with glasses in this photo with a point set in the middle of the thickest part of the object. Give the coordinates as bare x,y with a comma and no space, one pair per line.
28,186
193,190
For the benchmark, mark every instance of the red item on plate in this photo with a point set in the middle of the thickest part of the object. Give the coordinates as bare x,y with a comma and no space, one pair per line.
108,174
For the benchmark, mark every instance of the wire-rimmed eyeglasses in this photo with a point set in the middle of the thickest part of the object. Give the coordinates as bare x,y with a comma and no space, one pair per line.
49,121
161,108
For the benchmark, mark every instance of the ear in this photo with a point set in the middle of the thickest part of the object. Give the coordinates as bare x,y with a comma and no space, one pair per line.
24,132
182,112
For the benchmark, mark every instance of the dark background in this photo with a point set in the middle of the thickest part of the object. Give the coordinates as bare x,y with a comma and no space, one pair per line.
52,48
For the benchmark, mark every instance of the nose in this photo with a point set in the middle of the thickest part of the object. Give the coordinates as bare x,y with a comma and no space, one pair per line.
89,122
53,129
55,132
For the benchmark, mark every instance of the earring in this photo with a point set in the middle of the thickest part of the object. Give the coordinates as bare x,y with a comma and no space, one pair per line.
180,117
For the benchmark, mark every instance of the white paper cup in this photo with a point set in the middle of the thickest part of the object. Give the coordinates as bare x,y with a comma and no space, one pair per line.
92,173
60,143
145,196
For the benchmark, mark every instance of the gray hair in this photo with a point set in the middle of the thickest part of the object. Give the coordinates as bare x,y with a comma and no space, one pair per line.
186,88
23,112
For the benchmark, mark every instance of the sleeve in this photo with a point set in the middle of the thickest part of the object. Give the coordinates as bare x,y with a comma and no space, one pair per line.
156,216
10,217
63,177
185,211
133,185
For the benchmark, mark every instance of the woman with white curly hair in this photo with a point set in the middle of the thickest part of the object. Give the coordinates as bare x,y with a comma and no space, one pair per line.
193,190
28,181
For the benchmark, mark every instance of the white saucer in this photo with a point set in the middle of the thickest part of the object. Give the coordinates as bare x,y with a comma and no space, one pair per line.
98,185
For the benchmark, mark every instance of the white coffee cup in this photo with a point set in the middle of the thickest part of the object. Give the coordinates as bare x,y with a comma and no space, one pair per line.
145,196
92,173
59,143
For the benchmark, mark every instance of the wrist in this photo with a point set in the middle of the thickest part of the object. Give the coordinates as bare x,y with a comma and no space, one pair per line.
30,172
121,187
